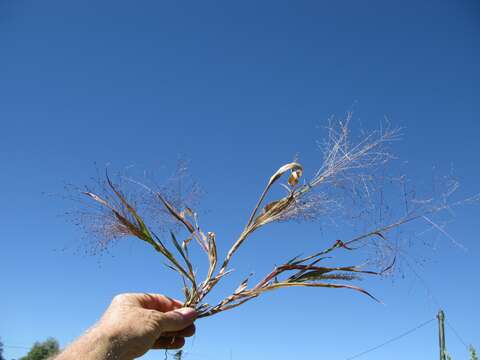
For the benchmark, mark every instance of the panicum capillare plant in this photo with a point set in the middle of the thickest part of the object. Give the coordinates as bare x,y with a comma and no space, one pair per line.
347,179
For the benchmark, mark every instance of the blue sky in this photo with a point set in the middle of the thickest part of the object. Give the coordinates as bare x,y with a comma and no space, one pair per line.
238,88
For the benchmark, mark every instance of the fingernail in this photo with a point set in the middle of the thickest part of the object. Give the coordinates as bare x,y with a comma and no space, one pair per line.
187,312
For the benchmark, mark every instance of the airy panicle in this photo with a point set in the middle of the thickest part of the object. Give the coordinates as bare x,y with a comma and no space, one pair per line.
345,162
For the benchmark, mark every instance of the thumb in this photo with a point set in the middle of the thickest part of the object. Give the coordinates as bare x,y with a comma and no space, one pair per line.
176,320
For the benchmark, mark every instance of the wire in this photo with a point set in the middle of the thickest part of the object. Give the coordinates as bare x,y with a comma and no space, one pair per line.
423,282
456,333
391,340
434,300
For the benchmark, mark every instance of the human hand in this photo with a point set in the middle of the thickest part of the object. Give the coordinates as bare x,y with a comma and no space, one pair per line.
136,323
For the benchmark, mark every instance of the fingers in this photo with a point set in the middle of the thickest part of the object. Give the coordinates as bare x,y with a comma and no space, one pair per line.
175,325
176,320
168,342
187,332
157,302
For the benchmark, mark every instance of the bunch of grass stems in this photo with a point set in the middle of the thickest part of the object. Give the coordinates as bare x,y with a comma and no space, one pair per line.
340,158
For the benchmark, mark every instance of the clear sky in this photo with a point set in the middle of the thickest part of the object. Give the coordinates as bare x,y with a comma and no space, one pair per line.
238,88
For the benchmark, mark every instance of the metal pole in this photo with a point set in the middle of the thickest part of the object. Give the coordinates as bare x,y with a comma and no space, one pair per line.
441,334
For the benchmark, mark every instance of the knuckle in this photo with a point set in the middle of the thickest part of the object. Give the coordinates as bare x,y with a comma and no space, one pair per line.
119,298
156,318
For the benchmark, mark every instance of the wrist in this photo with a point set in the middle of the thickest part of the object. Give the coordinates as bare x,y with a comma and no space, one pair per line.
98,343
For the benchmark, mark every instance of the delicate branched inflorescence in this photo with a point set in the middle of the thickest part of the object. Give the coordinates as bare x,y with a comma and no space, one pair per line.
346,164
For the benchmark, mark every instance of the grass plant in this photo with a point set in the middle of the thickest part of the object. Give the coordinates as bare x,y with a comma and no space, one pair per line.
346,164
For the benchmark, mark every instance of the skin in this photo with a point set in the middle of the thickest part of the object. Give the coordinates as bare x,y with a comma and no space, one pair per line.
132,325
